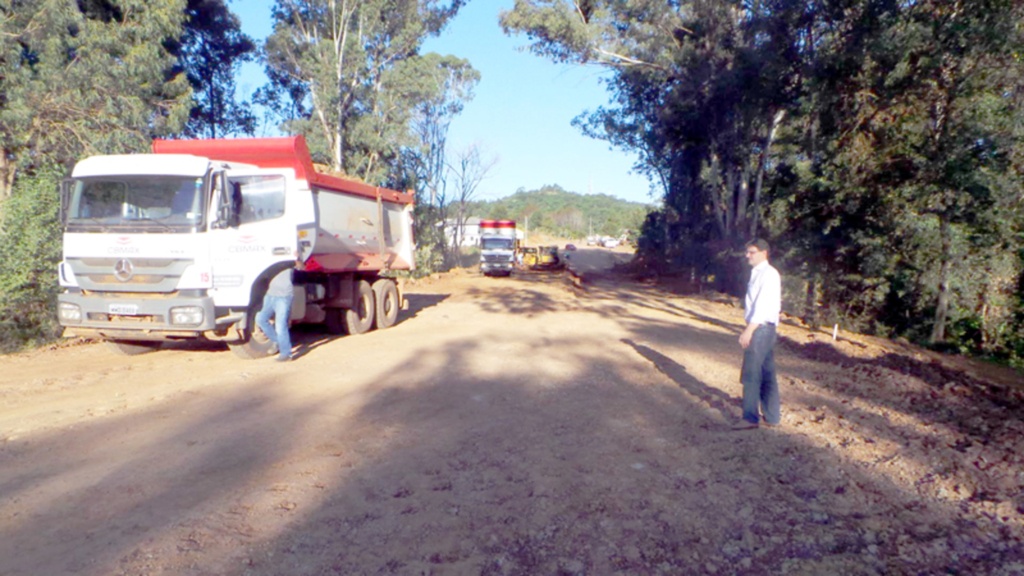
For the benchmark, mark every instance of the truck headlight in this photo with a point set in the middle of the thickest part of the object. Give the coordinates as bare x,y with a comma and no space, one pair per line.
187,315
69,312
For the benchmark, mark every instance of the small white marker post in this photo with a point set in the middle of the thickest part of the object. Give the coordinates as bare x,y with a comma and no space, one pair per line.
835,332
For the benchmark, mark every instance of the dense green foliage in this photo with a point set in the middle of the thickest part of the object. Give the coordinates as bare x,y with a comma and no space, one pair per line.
875,143
348,75
30,249
554,210
78,78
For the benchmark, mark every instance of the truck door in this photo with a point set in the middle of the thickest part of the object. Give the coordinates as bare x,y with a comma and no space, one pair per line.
252,230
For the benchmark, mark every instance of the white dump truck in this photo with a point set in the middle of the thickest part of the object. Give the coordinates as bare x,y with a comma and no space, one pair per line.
181,244
497,247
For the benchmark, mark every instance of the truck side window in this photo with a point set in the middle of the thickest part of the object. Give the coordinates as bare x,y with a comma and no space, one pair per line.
262,197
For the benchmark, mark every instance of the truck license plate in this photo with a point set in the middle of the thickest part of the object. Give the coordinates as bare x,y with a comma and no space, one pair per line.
124,309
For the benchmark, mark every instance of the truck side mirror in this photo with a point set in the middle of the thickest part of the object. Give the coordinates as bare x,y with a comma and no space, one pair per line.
235,205
229,203
66,187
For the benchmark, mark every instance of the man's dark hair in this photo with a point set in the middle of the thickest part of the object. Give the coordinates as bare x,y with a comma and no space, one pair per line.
760,243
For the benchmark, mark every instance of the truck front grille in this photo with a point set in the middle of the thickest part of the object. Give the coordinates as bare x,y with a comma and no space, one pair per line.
120,319
146,274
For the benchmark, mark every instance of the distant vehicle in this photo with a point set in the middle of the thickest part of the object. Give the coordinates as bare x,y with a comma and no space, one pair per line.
547,257
497,247
610,242
529,257
593,240
570,247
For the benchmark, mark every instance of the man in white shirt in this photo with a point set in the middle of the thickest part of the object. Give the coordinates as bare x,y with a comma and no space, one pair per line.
762,305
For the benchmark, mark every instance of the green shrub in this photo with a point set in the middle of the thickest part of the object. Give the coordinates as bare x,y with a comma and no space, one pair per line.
30,250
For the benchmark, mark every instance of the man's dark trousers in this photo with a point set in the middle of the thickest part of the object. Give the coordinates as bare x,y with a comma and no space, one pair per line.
758,377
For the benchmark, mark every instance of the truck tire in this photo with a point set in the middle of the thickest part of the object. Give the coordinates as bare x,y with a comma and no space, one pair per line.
131,348
254,347
255,343
386,295
359,318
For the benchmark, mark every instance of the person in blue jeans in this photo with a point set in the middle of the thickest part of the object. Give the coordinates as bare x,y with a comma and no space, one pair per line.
277,302
762,307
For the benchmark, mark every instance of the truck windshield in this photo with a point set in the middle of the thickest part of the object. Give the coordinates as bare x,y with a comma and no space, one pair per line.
137,203
496,244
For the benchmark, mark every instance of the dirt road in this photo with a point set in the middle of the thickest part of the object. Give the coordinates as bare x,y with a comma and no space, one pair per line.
511,426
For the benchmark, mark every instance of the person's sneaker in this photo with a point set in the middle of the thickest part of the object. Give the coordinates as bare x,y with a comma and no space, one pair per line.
770,425
273,350
284,358
744,425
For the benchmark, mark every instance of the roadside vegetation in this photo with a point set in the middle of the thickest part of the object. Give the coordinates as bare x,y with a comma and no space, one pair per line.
560,212
876,144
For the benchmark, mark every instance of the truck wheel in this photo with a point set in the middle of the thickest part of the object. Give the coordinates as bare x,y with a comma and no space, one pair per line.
256,346
131,348
255,343
386,294
359,318
335,320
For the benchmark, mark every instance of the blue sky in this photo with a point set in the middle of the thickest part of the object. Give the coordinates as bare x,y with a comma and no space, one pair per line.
521,112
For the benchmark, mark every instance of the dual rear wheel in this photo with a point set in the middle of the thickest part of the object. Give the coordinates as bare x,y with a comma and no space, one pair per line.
374,305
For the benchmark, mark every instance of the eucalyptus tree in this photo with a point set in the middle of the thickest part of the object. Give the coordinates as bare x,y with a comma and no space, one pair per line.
699,88
413,106
85,77
448,84
210,51
341,56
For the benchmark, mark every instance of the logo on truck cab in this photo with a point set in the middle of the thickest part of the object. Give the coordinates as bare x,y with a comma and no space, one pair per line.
122,246
124,270
247,245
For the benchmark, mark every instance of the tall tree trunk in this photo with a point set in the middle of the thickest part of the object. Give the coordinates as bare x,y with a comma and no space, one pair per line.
762,161
942,307
742,203
718,205
342,18
337,153
983,307
730,204
811,303
7,173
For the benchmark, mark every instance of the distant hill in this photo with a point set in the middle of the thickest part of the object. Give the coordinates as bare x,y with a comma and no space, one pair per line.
565,213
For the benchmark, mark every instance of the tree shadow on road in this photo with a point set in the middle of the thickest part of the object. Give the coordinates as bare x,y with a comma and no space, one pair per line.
419,303
653,299
511,300
469,458
88,493
725,404
599,473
